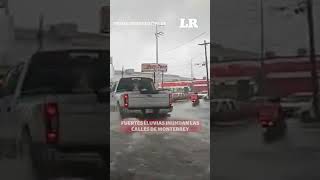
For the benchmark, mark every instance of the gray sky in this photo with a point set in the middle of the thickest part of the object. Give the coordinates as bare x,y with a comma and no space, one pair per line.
84,12
236,24
133,45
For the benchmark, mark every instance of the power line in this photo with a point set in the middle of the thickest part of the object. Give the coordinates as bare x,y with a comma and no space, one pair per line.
185,43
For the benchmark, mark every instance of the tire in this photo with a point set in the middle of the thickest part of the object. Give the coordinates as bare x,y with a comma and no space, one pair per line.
122,113
29,154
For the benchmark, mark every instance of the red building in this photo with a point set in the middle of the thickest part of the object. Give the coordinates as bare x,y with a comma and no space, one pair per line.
284,75
183,86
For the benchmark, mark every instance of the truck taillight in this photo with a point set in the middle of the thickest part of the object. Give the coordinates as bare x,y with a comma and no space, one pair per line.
51,114
126,100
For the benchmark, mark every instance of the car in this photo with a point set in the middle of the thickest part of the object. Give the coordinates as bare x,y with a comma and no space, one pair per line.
307,113
202,94
292,103
136,95
55,105
206,97
224,110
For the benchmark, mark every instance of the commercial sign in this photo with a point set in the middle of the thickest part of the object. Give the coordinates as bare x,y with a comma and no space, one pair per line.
154,67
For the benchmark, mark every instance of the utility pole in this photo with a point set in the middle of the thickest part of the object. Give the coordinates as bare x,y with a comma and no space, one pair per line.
157,34
122,72
162,80
262,48
154,73
40,32
308,6
313,57
191,66
205,51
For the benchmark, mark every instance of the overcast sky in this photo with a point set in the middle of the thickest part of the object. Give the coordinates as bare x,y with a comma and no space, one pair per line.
236,24
133,45
84,12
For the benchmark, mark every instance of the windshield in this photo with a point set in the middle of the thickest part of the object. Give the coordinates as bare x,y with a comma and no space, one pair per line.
135,84
66,73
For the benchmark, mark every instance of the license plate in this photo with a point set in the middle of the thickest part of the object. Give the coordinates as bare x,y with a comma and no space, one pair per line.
148,111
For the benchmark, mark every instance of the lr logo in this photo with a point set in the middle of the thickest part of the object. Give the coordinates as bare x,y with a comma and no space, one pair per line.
192,23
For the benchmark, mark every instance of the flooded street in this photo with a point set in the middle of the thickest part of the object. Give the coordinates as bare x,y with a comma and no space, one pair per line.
166,155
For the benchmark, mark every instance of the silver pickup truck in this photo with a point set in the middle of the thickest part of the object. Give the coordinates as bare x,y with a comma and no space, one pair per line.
134,95
55,106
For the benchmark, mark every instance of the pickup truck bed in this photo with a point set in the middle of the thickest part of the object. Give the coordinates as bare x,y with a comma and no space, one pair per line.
59,104
142,99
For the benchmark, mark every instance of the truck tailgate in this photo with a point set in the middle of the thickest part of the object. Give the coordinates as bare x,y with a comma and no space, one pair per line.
148,100
83,120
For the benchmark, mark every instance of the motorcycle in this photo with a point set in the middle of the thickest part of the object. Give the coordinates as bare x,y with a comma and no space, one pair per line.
273,122
195,99
273,129
195,102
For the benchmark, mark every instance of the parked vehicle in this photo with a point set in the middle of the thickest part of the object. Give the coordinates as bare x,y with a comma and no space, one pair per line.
293,103
224,110
138,95
202,94
54,105
307,112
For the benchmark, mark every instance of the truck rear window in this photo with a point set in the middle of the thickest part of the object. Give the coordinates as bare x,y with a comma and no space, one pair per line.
64,72
136,84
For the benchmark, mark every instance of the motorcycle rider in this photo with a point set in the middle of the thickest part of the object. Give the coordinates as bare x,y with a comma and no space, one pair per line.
272,115
194,98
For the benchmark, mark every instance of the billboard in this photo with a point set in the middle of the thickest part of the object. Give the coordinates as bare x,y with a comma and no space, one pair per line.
154,67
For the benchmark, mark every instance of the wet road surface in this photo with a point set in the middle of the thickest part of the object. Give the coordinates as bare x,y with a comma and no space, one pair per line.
139,156
240,153
163,156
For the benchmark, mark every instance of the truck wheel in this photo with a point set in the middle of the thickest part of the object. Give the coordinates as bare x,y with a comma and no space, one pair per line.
28,154
122,113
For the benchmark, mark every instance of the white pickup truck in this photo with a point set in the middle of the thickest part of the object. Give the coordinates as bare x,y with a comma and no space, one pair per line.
55,106
134,95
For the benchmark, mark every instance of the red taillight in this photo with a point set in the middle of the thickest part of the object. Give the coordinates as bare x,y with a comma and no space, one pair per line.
51,109
51,122
126,100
